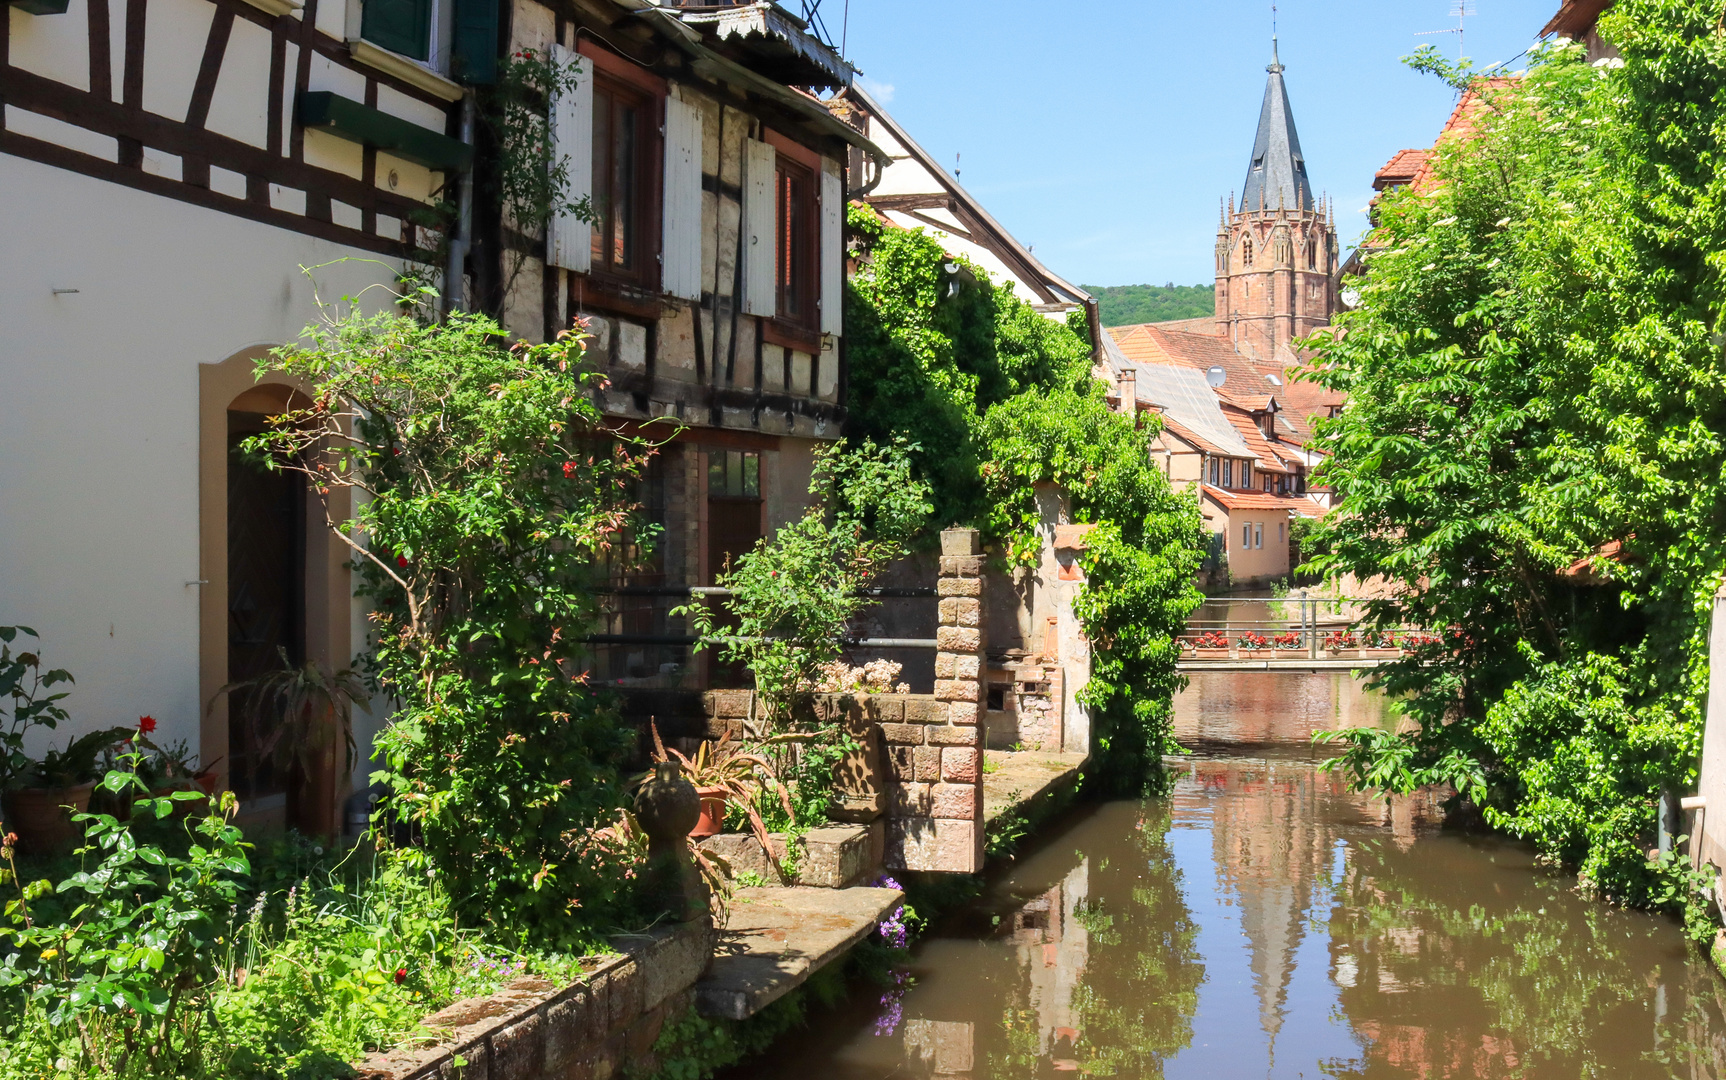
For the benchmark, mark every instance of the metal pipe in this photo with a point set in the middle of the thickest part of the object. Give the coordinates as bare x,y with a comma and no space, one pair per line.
454,274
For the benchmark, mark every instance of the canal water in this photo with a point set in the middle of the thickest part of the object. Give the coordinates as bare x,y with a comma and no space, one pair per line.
1262,921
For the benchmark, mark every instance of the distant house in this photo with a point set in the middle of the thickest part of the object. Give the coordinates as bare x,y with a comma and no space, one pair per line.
1238,443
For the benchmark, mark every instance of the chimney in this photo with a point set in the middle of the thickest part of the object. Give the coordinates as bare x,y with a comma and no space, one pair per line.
1129,392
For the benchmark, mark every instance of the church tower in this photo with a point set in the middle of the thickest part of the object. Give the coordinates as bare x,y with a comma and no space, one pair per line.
1276,251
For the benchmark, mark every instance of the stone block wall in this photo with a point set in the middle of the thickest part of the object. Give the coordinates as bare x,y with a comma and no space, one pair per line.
534,1030
930,778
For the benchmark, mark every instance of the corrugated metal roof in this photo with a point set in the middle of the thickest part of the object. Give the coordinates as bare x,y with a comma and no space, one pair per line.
1183,392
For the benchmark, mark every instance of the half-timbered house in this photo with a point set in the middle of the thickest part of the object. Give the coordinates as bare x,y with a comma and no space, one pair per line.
710,280
169,167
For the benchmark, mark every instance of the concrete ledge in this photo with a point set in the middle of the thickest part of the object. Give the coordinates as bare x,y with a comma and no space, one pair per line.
1025,778
775,939
532,1028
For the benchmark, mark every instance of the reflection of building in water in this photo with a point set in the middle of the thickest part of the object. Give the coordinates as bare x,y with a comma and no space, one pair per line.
1269,708
1050,947
1273,835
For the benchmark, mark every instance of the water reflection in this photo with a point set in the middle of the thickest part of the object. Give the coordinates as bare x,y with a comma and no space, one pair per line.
1263,921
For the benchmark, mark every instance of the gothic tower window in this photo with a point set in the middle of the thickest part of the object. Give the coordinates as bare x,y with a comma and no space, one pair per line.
1247,252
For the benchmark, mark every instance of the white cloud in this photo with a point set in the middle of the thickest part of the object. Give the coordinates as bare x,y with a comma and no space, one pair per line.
880,91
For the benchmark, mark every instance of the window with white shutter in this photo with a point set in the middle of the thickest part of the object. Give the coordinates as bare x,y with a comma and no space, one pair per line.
760,236
682,245
569,240
832,250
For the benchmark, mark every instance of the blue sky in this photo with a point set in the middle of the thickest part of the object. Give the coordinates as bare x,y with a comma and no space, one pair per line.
1103,133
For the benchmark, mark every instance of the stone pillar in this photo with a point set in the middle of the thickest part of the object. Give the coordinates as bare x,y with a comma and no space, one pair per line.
959,673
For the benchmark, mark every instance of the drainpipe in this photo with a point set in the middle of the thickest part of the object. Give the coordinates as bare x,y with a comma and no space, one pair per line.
462,239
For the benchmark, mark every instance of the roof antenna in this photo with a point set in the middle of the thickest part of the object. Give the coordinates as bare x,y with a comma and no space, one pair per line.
956,158
1276,63
1461,11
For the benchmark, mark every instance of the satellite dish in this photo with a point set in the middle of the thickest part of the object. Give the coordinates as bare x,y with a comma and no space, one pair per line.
1216,376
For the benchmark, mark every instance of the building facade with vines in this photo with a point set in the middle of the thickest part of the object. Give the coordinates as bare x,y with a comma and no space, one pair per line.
191,183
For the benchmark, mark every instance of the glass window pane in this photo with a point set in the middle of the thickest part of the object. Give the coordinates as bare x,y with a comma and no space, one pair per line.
716,473
734,472
752,474
623,188
602,104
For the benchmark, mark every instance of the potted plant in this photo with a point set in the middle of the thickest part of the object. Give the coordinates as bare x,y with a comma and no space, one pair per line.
1342,644
41,805
1211,645
1380,644
1251,641
723,773
302,718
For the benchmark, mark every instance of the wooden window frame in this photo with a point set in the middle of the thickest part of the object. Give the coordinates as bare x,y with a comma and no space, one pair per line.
803,335
634,291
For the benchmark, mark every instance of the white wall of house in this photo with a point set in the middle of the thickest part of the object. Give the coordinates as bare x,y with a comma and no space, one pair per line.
99,418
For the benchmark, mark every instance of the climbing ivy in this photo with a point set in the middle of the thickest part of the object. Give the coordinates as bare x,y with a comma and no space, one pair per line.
1002,399
1536,378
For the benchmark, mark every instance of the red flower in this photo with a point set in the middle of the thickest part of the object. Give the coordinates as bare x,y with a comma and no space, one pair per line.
402,561
146,724
401,976
568,469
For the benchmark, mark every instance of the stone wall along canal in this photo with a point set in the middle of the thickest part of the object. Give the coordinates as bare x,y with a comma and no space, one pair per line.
1261,921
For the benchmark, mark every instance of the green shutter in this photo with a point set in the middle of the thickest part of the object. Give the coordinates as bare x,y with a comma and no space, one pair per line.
474,56
401,26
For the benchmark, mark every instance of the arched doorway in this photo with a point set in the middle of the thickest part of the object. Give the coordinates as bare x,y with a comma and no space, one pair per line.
267,543
275,584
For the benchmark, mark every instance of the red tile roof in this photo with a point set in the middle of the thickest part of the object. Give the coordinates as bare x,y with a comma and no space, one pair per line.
1246,385
1271,458
1259,500
1413,168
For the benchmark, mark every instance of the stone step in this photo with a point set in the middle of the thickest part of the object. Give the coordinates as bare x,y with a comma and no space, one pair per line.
775,939
832,858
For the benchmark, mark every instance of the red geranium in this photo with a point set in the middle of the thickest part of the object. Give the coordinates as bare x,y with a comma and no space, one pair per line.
146,724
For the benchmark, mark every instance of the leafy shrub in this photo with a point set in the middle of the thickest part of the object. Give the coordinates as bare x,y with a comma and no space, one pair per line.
795,595
490,493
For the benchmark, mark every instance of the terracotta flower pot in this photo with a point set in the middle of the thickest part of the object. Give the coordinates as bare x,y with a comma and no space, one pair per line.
712,820
41,819
1380,654
1211,654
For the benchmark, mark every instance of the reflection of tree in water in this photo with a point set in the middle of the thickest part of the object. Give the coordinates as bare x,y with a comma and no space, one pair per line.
1439,976
1133,1007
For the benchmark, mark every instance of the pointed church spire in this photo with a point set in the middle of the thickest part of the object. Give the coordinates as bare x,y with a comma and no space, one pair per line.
1278,170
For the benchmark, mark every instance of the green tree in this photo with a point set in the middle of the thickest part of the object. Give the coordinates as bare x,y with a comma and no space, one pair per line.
1535,371
1001,399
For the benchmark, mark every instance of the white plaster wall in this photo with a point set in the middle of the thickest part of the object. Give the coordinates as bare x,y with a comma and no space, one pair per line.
99,419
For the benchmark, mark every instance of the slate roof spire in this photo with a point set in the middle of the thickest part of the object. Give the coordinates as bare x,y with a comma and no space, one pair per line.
1277,174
